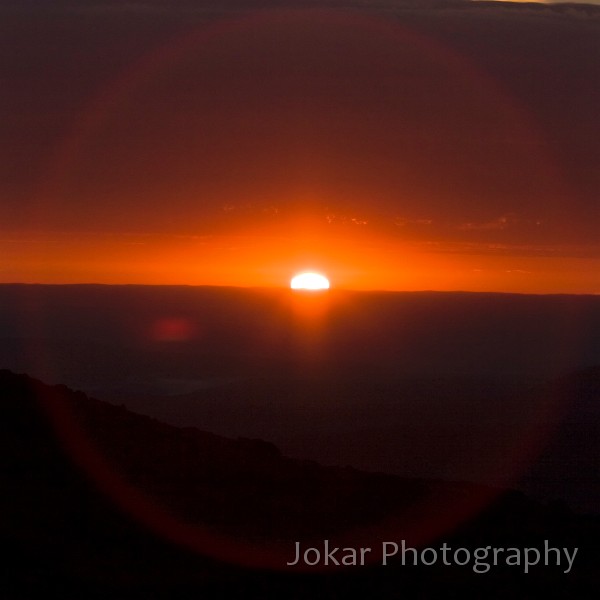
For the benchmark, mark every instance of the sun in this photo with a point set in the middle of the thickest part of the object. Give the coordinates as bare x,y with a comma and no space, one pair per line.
310,282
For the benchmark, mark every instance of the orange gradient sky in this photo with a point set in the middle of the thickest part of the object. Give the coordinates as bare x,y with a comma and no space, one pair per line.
426,150
260,261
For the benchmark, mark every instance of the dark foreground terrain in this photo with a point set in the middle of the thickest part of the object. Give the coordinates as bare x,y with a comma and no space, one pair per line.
100,502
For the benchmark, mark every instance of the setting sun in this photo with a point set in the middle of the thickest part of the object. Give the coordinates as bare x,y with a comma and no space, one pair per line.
309,281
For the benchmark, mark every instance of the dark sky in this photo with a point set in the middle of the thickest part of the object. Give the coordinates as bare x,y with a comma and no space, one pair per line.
461,127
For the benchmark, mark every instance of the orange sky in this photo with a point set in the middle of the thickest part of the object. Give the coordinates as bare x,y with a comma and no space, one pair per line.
269,261
401,154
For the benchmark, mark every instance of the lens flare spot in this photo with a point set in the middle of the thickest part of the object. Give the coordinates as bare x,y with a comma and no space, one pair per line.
173,329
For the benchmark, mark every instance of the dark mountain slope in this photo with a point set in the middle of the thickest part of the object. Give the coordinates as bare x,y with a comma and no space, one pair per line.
64,534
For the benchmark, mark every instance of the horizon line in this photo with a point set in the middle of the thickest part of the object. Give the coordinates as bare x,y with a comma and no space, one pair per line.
288,289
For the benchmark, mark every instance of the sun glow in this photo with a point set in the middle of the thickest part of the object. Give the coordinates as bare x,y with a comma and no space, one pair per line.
309,281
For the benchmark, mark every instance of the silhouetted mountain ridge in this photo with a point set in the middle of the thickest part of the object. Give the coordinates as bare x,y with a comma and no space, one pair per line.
206,477
63,534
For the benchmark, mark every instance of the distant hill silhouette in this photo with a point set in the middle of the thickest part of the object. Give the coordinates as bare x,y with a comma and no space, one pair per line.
65,533
68,334
568,466
541,438
422,385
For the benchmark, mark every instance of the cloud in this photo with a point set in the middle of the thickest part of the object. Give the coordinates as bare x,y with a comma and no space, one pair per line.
495,224
578,251
333,218
217,7
404,221
541,1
